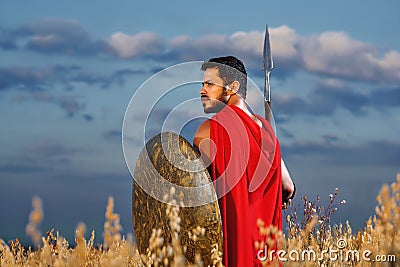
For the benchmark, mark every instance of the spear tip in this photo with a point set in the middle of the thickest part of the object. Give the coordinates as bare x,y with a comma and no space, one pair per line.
267,58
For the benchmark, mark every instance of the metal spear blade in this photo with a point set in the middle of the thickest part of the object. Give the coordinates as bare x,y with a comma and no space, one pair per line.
267,57
267,67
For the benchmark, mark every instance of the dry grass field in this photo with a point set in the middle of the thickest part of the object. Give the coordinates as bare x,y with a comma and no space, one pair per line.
311,240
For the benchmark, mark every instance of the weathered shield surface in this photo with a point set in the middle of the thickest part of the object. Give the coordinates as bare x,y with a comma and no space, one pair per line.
168,160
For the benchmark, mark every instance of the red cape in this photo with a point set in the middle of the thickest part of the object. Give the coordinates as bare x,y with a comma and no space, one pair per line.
246,169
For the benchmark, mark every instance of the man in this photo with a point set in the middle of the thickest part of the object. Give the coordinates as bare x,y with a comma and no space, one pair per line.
245,161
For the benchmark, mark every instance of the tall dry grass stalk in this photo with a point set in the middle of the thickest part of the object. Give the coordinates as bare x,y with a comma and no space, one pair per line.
313,233
35,219
54,250
312,241
112,228
165,249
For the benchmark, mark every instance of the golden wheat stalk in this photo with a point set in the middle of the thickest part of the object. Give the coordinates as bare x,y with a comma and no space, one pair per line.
380,236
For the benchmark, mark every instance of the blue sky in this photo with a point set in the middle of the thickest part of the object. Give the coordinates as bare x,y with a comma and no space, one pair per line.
69,69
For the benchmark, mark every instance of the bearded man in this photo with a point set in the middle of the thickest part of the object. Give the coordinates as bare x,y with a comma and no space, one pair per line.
244,160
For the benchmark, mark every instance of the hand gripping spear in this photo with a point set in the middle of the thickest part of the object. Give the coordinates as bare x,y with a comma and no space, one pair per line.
267,67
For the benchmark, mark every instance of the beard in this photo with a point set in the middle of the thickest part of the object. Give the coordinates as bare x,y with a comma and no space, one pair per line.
213,105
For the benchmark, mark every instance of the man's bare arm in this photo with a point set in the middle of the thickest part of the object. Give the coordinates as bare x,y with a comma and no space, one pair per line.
202,141
287,183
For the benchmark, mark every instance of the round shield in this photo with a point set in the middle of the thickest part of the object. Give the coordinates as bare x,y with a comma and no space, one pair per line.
169,172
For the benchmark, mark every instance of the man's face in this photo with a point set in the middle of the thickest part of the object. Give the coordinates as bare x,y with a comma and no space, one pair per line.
212,93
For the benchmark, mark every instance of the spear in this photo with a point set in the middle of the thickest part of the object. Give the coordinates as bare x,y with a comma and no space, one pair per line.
267,67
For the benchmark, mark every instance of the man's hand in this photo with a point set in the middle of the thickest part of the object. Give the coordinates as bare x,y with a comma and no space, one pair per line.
287,184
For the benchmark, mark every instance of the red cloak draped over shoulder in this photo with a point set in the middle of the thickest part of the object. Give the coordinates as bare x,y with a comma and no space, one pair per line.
246,170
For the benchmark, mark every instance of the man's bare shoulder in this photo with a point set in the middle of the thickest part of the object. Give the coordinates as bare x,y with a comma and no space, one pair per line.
203,132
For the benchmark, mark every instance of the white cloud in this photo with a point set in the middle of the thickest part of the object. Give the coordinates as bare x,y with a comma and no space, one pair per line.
44,39
56,36
179,41
186,48
391,60
332,82
129,46
251,42
283,42
337,55
390,64
331,54
246,45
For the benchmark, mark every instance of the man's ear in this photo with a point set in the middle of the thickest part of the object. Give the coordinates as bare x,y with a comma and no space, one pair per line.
233,88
